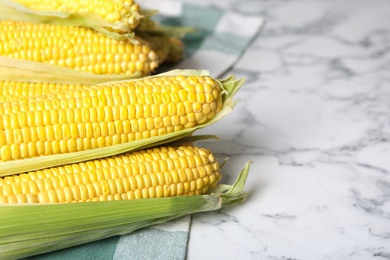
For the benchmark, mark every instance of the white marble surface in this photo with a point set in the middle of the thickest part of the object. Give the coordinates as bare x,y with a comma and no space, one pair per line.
314,117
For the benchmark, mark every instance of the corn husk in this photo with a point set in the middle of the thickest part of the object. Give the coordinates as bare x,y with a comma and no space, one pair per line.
27,230
230,86
12,69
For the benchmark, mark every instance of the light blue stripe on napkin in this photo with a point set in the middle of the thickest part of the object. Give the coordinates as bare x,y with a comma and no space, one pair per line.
221,39
163,241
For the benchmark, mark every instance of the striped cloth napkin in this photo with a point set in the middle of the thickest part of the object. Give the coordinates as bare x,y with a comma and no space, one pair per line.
220,40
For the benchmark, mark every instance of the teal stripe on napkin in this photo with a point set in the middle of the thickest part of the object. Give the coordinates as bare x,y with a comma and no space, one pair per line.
205,18
99,250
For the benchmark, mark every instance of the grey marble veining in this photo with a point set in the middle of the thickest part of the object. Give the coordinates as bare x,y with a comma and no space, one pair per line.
314,117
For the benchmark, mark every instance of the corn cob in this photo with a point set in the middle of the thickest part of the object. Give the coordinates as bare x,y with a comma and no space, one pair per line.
70,224
168,49
176,48
16,90
73,47
124,14
152,173
106,114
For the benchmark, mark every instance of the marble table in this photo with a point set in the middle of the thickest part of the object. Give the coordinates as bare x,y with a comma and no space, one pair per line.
314,117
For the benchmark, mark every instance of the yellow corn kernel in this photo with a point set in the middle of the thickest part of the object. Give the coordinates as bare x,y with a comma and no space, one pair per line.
63,122
132,175
124,12
18,90
69,42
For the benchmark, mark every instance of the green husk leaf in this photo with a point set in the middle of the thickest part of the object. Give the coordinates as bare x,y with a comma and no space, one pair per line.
148,25
192,139
233,194
12,69
31,229
167,30
148,13
229,85
16,12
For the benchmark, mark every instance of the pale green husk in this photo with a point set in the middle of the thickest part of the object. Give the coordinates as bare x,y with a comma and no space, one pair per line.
12,69
148,25
230,85
16,12
27,230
